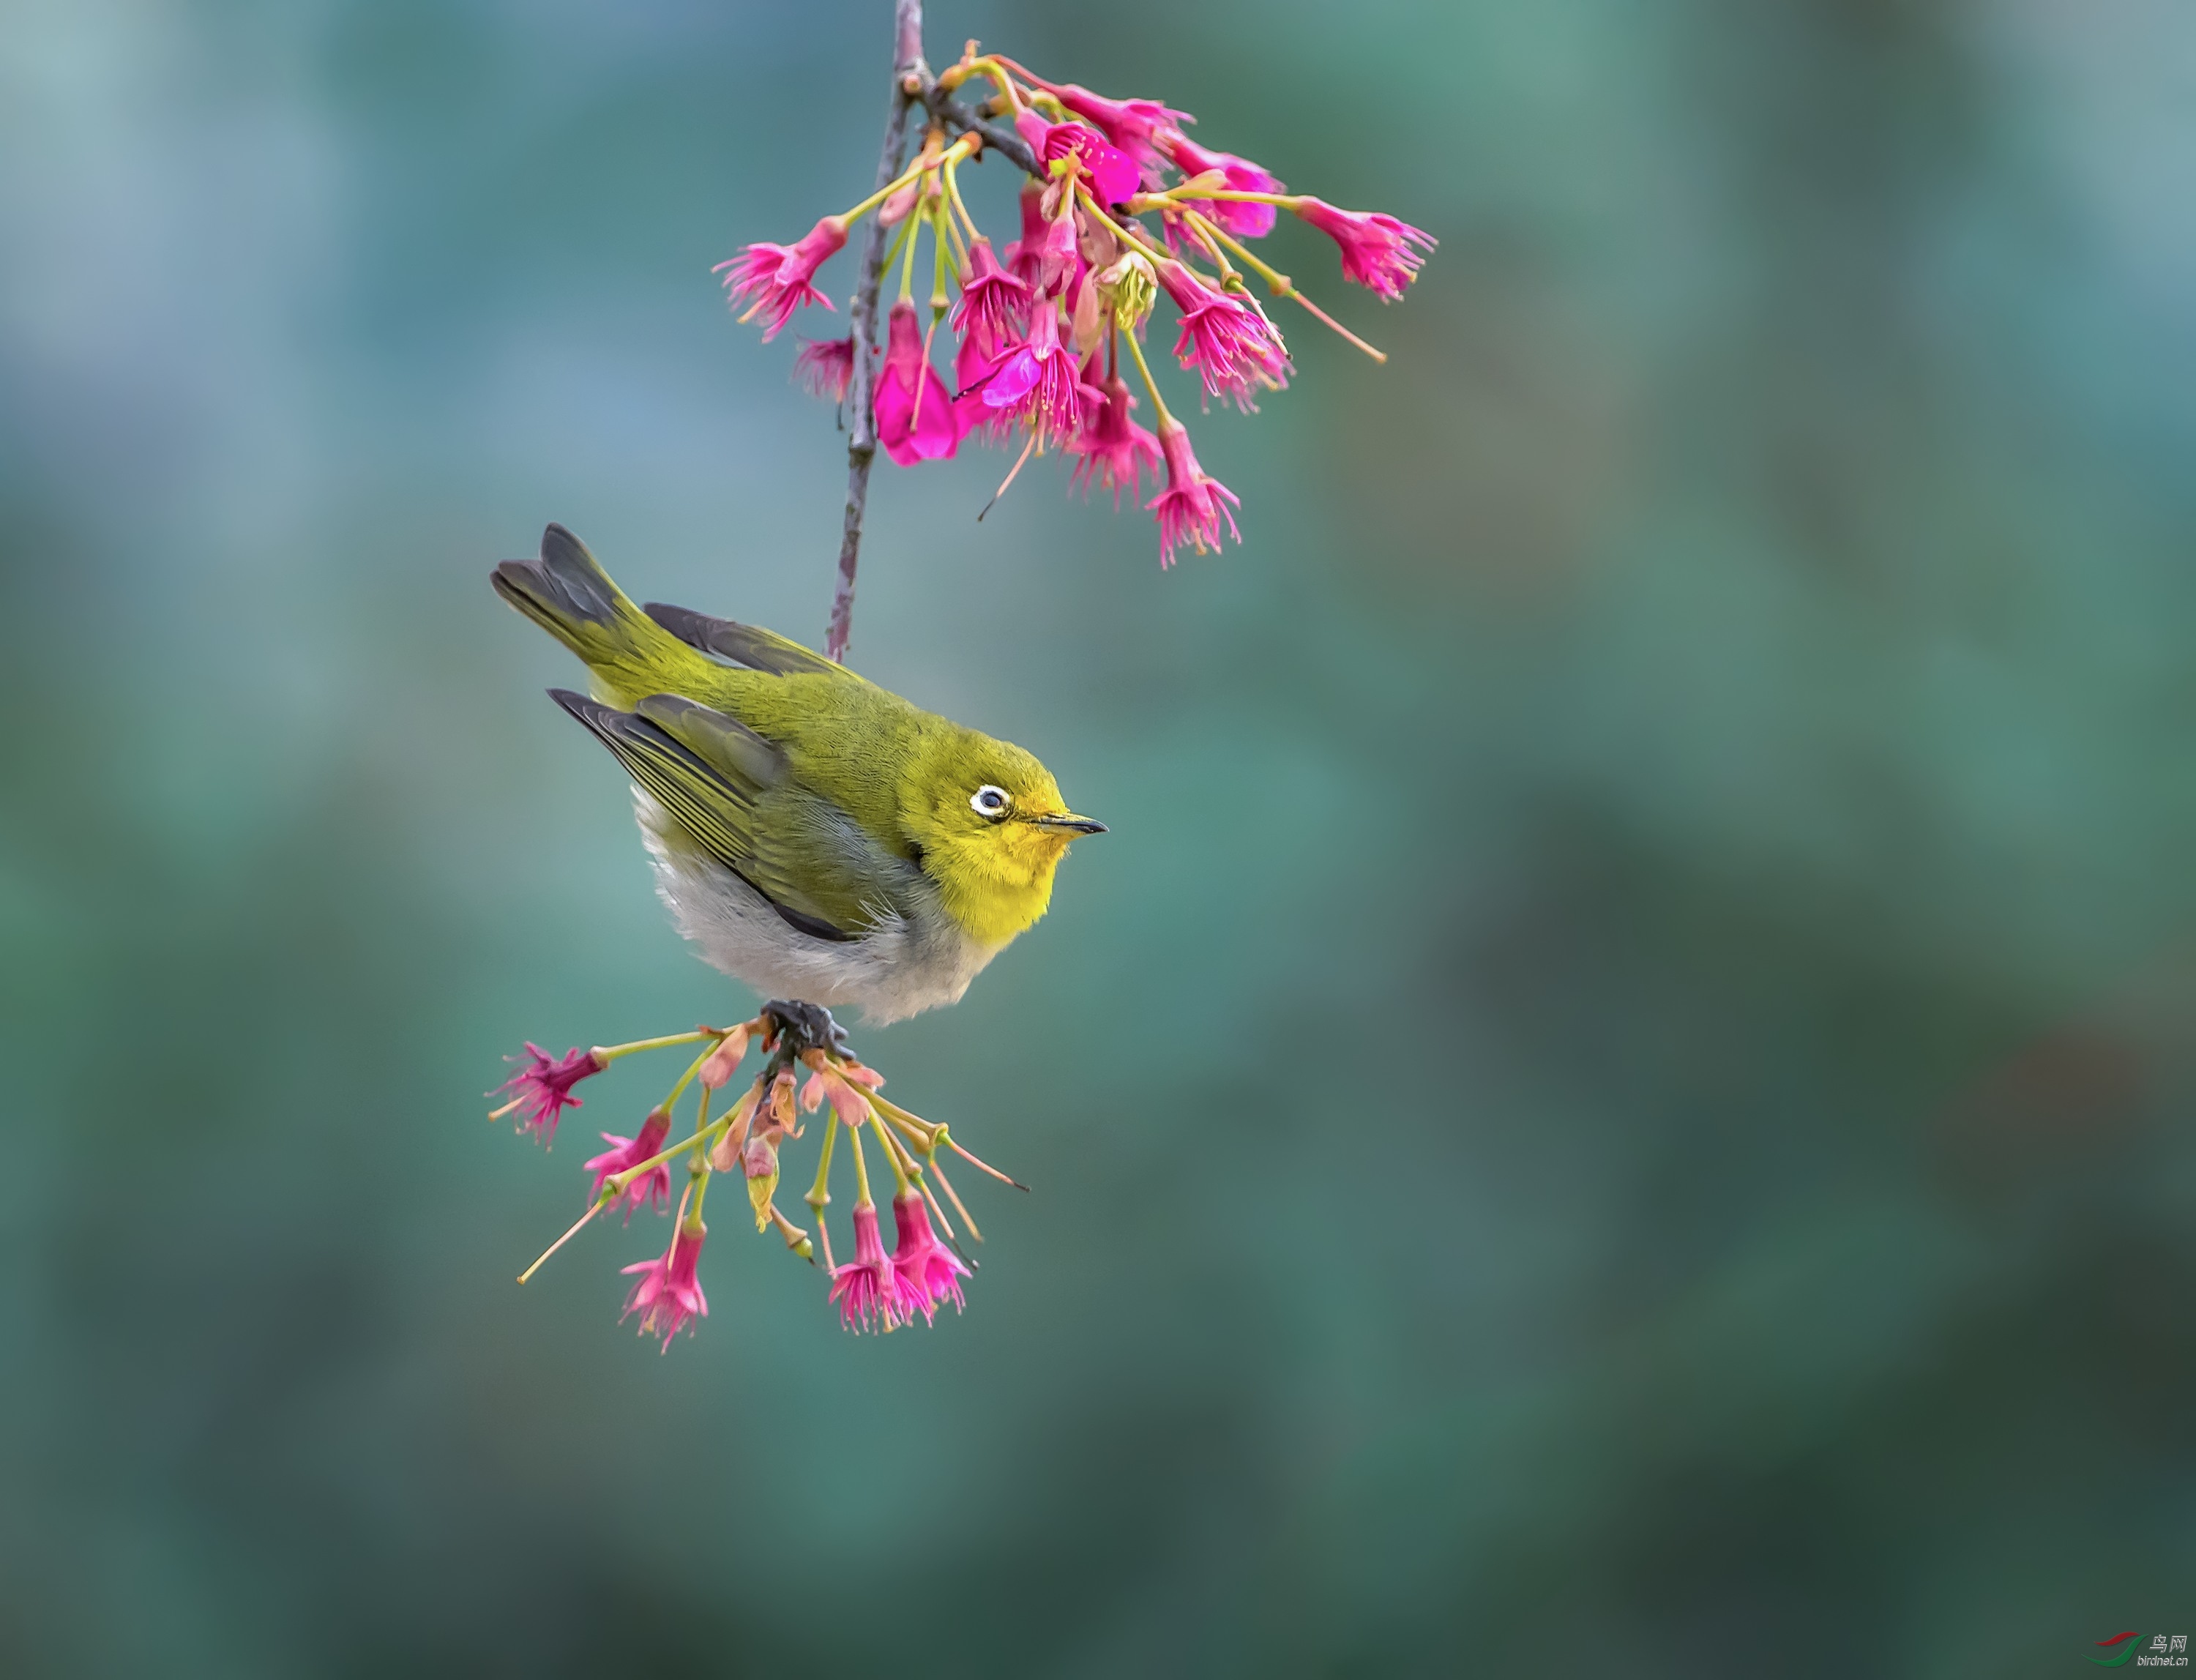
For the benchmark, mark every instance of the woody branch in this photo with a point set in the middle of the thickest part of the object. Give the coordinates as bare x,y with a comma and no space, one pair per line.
913,86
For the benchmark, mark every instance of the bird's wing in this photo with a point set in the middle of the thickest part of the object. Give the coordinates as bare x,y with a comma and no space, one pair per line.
744,645
733,793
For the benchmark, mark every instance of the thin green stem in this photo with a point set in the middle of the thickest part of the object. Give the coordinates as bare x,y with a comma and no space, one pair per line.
949,233
1159,402
1206,235
952,173
908,237
928,161
942,231
701,1139
698,1175
892,1155
686,1079
610,1052
819,1196
861,1167
1129,231
906,1156
1182,194
996,72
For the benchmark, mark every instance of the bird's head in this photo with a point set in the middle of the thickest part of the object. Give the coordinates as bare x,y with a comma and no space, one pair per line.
992,828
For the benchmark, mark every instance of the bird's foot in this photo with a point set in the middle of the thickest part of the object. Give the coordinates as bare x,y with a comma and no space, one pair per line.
805,1026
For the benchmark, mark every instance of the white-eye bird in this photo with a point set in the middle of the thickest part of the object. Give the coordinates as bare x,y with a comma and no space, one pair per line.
814,835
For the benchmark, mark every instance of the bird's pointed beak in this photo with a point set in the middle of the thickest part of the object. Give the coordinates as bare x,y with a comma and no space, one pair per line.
1081,825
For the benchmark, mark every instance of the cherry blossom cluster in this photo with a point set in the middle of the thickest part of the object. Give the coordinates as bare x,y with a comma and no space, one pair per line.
1037,331
807,1068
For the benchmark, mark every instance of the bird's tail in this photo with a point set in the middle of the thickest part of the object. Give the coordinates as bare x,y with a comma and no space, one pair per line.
572,597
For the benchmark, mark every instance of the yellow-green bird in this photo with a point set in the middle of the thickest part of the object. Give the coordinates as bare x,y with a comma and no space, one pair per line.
816,836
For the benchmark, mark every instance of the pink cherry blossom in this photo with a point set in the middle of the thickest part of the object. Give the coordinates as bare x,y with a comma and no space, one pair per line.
1035,382
973,367
868,1292
1110,173
929,1273
1378,252
1059,258
669,1296
915,417
718,1066
825,367
1244,222
1193,502
993,304
653,1186
542,1090
1113,451
774,280
1023,255
1234,348
1132,124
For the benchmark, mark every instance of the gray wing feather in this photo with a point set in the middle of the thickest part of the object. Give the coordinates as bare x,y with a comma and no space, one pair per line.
744,645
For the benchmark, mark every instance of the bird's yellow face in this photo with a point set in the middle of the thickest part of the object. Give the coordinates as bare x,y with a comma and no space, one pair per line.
992,828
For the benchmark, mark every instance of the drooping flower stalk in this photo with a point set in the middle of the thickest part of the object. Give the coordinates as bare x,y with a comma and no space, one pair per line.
1099,169
802,1073
867,1291
1192,506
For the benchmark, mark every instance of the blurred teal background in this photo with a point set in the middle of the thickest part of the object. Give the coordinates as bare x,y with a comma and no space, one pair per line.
1617,1100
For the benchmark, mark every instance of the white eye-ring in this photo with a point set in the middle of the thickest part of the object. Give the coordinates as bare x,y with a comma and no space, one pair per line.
989,803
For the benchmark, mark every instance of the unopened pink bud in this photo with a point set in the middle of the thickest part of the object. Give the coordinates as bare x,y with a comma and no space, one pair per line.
723,1062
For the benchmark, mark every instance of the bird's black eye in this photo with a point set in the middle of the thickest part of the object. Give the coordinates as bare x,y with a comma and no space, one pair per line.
989,803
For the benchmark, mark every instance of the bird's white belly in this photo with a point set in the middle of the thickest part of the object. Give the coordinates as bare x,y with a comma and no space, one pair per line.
917,958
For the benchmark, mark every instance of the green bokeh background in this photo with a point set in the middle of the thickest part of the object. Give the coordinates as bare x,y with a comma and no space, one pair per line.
1617,1100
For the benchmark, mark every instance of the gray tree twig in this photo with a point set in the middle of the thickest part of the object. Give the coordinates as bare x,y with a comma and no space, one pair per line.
913,86
862,434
